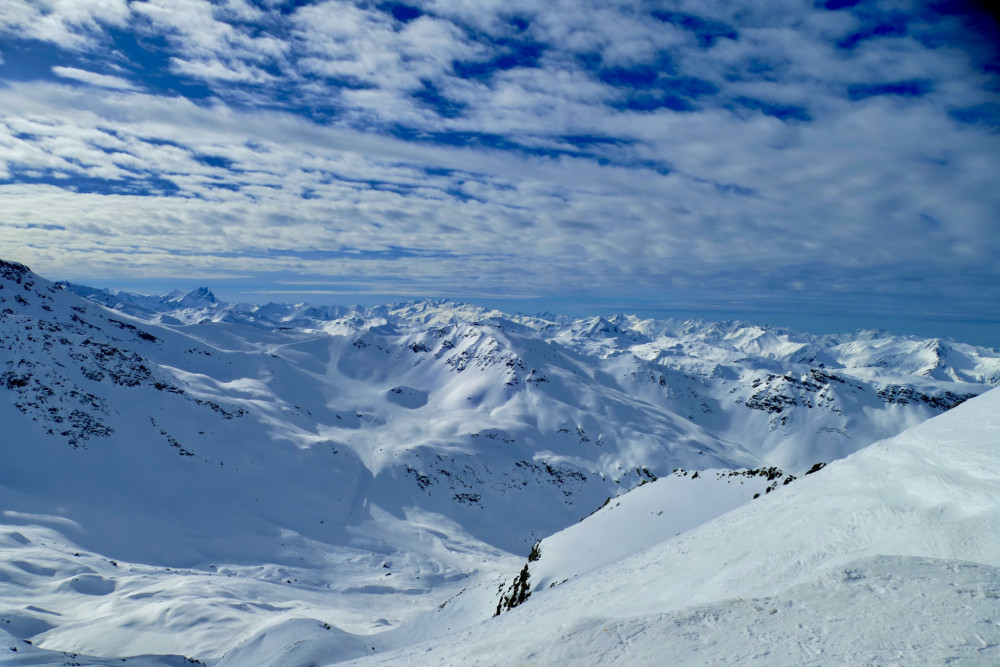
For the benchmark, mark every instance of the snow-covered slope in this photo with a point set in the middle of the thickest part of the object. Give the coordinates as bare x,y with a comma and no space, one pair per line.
227,469
889,556
633,521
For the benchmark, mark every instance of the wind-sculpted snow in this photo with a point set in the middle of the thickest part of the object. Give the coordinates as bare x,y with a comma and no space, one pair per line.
361,466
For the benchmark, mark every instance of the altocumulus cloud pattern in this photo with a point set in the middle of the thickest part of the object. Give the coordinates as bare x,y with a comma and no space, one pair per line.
781,155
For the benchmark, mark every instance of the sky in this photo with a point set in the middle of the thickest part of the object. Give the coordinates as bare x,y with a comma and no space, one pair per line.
828,165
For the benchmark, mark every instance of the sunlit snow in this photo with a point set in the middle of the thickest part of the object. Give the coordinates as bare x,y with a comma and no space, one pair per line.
241,485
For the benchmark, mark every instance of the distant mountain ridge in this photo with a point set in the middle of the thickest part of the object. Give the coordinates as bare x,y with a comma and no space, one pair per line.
943,358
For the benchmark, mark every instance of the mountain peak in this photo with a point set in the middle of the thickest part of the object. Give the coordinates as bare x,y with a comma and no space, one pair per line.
13,271
200,297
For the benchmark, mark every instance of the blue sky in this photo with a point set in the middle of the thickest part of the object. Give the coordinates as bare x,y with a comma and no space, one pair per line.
828,165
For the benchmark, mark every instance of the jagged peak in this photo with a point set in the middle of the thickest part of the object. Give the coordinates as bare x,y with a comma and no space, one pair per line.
198,295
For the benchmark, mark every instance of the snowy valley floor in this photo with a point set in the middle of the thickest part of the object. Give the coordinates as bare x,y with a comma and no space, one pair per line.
56,595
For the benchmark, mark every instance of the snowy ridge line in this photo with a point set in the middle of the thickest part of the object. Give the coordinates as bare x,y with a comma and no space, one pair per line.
942,358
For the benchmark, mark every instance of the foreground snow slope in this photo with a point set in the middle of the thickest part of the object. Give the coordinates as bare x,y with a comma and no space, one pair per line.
641,518
891,555
625,525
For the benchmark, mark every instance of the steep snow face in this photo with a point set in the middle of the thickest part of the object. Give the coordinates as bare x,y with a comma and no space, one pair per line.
907,530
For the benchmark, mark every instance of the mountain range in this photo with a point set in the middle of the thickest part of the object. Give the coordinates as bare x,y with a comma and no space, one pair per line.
187,479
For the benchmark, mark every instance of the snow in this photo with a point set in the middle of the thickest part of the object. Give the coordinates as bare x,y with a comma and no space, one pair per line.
641,518
185,477
887,610
66,598
889,556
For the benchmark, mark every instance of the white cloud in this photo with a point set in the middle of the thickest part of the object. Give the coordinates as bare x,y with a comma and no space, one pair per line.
215,70
559,222
94,79
71,24
210,39
885,195
341,40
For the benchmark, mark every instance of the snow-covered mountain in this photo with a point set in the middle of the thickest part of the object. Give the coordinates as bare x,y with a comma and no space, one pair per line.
745,384
181,473
891,556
